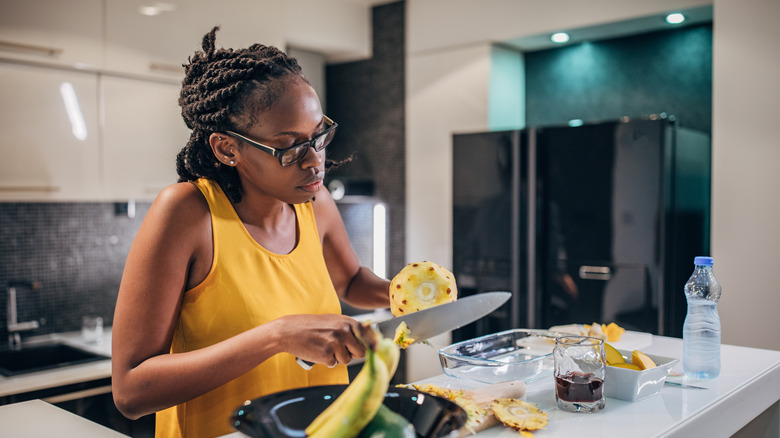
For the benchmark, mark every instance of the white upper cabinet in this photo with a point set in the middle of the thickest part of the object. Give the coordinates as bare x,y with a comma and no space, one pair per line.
160,43
49,149
149,45
90,87
52,31
143,133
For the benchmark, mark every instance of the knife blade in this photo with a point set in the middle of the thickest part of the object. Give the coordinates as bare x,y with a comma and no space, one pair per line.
440,319
444,318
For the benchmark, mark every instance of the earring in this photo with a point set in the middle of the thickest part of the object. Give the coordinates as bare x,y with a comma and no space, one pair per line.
232,162
219,137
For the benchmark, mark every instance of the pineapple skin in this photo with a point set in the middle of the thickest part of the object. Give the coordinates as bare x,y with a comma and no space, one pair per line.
421,285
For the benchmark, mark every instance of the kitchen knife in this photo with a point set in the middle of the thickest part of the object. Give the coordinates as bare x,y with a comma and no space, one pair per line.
443,318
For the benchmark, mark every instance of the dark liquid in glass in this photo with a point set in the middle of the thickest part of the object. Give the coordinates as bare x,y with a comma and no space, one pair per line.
579,387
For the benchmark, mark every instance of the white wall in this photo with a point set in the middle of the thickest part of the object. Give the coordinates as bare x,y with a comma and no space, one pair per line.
341,30
746,181
447,91
313,66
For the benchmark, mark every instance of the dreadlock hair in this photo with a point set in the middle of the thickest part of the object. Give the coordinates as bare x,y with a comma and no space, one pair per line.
215,96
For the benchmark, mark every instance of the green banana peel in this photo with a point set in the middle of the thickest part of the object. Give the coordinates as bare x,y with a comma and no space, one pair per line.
388,424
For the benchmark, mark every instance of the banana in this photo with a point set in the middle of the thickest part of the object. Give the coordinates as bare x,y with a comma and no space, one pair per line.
389,352
359,403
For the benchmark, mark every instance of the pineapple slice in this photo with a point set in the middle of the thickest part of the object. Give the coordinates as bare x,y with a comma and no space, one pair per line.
419,286
519,415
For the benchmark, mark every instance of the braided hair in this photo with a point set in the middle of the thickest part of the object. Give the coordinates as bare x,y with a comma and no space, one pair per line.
219,94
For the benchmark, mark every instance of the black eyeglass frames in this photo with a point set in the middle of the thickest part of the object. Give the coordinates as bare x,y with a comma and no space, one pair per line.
295,153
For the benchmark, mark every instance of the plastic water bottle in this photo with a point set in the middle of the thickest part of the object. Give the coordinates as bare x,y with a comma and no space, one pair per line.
701,330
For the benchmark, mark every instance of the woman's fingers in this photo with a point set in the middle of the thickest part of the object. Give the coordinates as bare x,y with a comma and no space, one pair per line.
326,339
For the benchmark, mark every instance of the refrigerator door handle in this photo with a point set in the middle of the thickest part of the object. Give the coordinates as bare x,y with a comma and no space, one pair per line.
603,273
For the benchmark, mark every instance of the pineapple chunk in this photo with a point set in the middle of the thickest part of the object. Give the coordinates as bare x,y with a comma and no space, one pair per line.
613,331
519,415
419,286
403,335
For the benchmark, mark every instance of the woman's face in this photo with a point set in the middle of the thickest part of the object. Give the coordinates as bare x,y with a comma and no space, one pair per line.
294,118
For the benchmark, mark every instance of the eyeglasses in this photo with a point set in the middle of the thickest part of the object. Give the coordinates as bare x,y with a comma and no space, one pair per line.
295,153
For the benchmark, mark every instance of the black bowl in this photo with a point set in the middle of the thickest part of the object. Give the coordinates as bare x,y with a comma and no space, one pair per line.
287,413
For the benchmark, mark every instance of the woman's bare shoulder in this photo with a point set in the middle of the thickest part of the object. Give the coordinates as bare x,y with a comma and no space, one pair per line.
326,213
183,194
180,209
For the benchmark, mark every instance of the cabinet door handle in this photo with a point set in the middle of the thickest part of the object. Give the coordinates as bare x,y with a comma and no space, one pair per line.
595,272
167,68
41,188
78,394
30,49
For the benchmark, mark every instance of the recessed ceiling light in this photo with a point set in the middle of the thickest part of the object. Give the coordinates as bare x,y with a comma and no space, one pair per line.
560,37
156,9
149,10
675,18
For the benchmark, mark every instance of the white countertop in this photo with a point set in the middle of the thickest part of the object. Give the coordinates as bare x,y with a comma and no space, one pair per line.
749,383
61,376
36,419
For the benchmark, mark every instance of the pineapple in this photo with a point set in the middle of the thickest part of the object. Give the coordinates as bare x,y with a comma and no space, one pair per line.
403,336
478,403
419,286
519,415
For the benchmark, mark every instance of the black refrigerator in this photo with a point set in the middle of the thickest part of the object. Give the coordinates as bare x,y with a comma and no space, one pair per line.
593,223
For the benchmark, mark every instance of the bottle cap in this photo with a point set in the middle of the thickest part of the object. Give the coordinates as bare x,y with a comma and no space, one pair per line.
702,260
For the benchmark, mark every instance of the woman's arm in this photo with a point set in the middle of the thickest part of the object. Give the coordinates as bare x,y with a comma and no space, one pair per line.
355,284
172,253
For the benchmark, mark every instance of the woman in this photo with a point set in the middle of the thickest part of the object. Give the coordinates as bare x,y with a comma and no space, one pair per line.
237,269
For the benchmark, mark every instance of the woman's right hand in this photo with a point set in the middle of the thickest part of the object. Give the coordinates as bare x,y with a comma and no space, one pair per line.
325,339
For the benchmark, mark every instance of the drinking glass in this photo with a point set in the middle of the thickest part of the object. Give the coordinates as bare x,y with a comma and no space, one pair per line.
92,329
580,368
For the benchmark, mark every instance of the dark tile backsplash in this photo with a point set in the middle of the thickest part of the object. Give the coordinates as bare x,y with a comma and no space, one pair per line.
367,99
76,251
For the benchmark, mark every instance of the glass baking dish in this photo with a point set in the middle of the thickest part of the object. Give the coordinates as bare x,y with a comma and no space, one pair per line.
518,354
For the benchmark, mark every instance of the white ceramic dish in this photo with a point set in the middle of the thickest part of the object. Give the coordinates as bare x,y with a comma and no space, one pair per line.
632,385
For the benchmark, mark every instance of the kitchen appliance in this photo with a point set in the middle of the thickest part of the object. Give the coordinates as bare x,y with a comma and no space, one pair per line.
365,219
594,223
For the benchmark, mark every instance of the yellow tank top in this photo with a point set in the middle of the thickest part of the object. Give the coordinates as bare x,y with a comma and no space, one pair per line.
248,286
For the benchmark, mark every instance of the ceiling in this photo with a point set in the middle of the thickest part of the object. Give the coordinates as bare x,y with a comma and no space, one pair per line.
634,26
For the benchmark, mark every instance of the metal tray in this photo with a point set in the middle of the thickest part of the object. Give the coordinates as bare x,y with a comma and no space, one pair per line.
518,354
